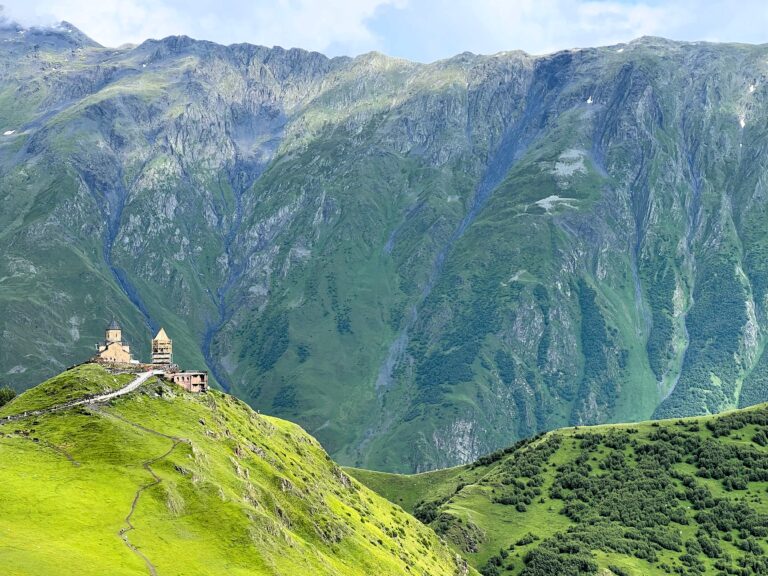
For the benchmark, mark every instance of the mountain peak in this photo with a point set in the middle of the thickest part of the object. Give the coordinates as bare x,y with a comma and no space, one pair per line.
59,36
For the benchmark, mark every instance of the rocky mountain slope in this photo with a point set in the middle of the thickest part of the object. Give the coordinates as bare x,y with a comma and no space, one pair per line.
418,263
165,482
684,496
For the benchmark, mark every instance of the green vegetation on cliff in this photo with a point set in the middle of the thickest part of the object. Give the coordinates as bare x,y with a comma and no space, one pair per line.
418,263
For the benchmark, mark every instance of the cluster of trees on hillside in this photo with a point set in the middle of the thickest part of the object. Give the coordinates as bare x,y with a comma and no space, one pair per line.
6,395
679,496
521,477
438,369
596,382
628,495
642,494
714,323
659,276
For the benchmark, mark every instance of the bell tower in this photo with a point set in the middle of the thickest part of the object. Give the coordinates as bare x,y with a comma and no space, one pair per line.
162,348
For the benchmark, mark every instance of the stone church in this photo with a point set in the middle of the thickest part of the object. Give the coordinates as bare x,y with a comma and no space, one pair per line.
114,348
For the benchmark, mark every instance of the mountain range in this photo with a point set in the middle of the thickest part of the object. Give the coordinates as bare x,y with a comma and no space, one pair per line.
418,263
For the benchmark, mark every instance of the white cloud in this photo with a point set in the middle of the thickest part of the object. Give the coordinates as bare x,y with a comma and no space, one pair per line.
434,29
416,29
111,22
312,24
548,25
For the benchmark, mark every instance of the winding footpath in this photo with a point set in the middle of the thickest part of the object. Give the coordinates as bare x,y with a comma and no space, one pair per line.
93,402
147,465
86,400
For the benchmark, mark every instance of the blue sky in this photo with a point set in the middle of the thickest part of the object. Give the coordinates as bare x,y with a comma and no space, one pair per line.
422,30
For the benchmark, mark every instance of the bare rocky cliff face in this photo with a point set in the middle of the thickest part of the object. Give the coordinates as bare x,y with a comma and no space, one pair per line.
418,263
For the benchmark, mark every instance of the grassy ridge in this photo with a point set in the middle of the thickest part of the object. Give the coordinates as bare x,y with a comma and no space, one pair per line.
670,497
88,379
236,493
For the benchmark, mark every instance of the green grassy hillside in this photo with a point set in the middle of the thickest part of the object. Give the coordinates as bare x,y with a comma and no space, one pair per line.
165,482
670,497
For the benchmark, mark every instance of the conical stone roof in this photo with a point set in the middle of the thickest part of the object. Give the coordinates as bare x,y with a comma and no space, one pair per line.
162,336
